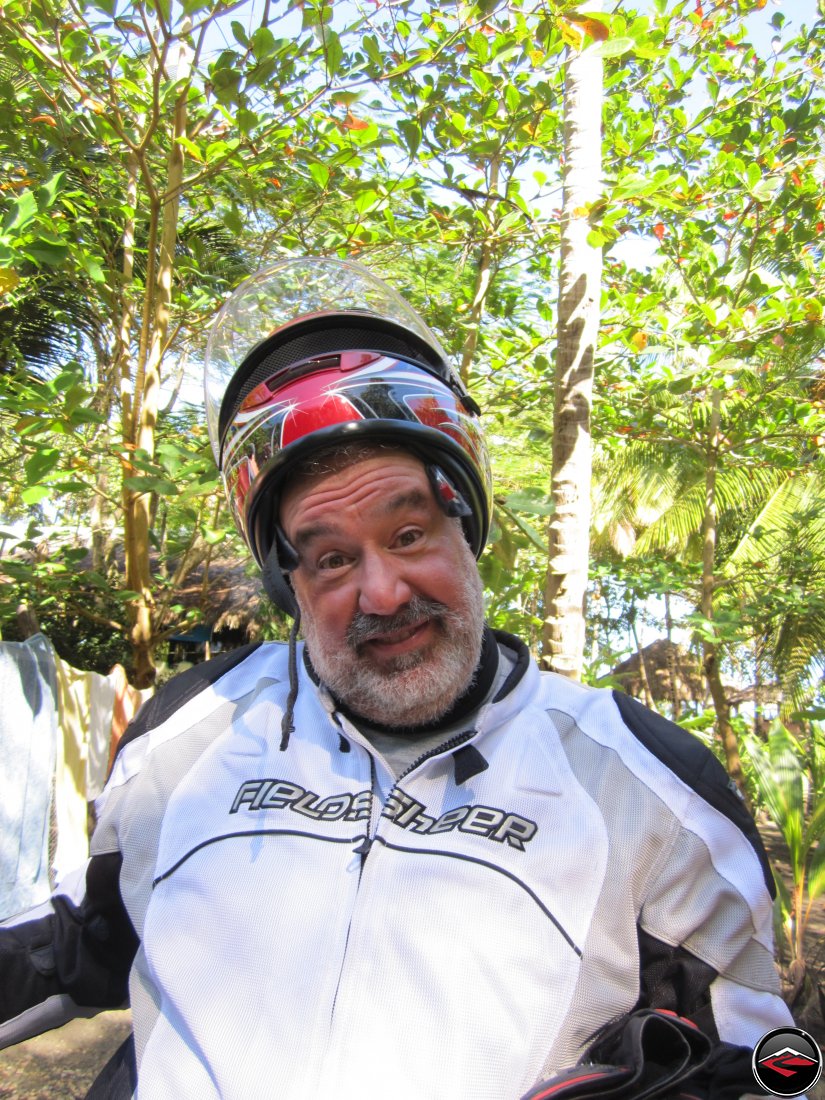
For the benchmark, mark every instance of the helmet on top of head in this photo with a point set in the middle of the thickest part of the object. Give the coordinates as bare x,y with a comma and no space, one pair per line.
314,353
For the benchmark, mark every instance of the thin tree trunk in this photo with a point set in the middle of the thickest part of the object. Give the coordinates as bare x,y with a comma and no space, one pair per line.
710,653
484,281
647,694
138,566
578,323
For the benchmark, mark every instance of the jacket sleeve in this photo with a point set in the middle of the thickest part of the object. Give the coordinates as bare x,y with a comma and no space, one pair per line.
706,947
69,957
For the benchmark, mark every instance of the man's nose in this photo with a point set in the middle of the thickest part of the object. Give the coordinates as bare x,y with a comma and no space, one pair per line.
383,589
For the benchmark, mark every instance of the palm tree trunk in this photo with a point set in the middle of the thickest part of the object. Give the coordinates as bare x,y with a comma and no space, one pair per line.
578,323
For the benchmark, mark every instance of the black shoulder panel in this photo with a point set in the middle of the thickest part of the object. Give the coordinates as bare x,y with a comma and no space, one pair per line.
180,689
520,667
695,765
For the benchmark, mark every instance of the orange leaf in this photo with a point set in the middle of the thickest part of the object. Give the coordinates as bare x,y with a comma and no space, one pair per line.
597,30
353,123
639,340
45,118
571,36
658,230
275,181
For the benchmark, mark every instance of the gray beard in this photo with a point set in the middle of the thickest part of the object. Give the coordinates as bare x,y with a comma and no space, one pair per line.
414,689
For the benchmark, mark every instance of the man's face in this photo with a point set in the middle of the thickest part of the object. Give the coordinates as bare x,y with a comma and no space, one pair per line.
390,596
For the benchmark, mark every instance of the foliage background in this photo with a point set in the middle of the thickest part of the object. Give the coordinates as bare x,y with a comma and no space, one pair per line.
155,153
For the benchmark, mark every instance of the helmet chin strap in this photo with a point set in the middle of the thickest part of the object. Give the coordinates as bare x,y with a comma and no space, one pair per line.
281,560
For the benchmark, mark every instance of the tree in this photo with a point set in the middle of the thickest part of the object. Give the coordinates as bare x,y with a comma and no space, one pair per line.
578,325
166,138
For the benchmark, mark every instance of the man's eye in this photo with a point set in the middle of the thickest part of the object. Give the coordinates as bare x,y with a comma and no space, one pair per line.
332,561
407,538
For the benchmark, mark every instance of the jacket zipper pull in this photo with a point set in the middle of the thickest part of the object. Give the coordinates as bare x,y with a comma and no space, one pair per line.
363,849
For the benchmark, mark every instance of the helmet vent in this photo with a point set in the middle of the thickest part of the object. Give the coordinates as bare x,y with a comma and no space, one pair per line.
269,360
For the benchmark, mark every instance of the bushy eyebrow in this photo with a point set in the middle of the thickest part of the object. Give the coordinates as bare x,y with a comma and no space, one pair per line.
414,499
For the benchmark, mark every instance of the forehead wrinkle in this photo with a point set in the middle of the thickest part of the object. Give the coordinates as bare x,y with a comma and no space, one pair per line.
413,499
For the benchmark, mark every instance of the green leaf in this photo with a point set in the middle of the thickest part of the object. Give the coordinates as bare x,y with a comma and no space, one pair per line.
34,494
93,268
151,485
334,51
246,120
681,385
263,43
616,47
46,252
411,133
47,193
21,211
366,201
191,148
481,80
239,33
75,554
533,504
319,172
41,463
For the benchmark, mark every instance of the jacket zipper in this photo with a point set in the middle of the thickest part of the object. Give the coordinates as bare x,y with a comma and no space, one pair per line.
454,742
364,848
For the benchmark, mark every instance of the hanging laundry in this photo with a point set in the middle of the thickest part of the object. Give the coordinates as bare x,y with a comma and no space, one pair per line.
28,746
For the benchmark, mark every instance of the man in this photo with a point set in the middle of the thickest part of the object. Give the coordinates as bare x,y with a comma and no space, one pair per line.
396,859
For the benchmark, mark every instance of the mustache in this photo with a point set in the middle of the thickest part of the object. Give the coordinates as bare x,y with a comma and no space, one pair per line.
364,627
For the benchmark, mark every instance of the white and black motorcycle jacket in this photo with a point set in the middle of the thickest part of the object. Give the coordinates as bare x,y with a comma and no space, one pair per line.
299,924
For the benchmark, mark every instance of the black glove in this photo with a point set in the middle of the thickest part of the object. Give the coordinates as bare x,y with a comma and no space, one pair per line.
649,1053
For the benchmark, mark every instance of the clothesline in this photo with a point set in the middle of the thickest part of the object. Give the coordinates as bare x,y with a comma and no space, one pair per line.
59,729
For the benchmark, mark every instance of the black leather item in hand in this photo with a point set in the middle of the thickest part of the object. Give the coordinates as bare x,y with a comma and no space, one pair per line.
649,1054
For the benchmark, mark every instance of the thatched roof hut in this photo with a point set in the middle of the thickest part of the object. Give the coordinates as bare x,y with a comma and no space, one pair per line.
673,673
228,592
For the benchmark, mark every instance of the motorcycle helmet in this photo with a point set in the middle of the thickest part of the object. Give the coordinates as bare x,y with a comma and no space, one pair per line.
316,352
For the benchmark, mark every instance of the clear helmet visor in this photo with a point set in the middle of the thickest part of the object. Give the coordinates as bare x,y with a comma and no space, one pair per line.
287,293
